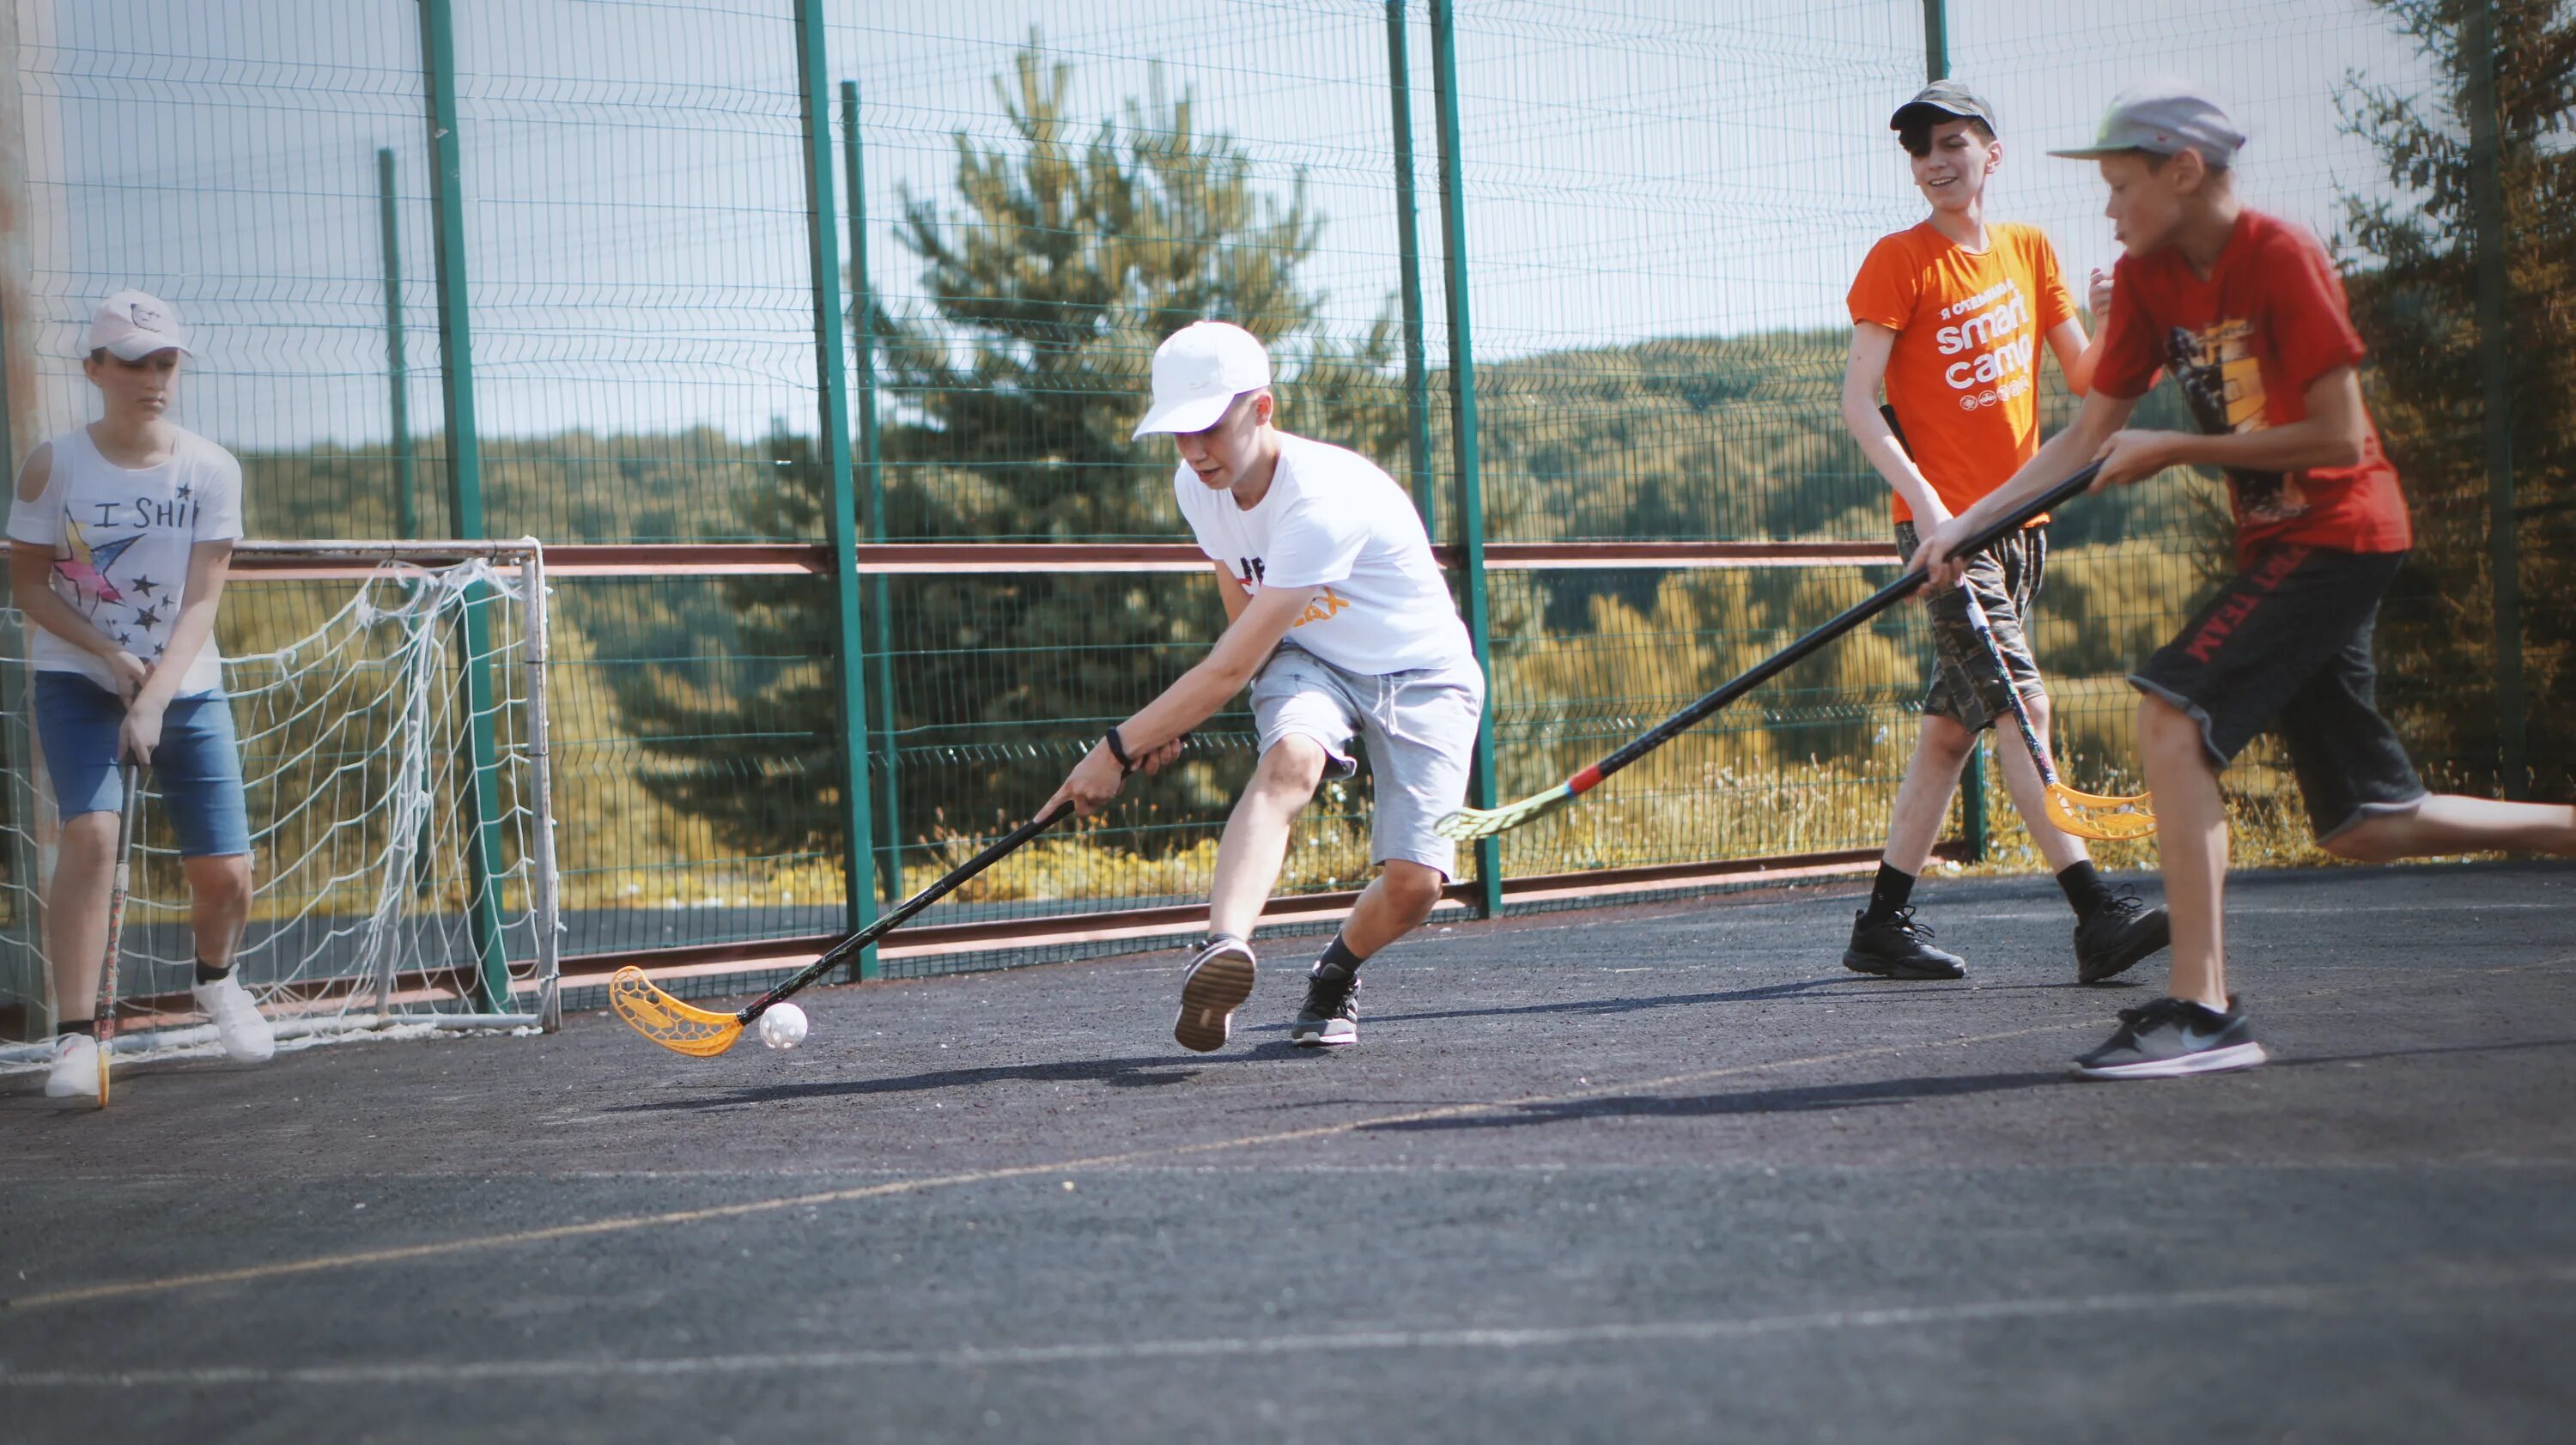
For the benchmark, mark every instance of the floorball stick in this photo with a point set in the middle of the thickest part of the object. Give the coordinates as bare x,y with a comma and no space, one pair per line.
2086,815
104,1020
1485,822
688,1029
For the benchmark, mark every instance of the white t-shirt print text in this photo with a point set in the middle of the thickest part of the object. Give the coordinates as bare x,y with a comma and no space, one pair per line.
1334,525
121,539
1998,319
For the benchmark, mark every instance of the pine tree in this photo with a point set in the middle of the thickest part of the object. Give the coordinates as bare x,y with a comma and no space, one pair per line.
2416,306
1062,260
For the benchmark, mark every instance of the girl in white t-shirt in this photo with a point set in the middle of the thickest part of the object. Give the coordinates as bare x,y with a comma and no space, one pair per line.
120,534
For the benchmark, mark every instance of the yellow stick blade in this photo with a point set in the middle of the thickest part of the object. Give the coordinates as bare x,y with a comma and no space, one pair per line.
1471,823
2093,815
680,1027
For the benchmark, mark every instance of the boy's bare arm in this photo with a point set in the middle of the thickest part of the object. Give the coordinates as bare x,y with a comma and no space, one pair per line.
1191,699
2332,434
1229,590
1871,345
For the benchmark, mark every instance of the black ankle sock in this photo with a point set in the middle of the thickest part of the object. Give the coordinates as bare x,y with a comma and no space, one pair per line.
2084,887
1338,954
1889,893
76,1026
209,974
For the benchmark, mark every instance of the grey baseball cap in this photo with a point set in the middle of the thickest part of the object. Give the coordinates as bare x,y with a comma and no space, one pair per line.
2163,117
1945,100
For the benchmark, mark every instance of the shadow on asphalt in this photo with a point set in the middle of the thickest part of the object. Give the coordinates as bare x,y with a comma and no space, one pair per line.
1867,1094
1138,1073
1838,988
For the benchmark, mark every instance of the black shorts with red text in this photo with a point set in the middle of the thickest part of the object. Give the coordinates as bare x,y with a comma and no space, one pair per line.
2286,644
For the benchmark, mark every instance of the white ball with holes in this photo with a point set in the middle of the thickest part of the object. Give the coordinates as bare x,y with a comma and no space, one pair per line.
783,1026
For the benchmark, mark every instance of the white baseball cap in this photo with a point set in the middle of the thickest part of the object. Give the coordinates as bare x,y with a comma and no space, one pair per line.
1198,372
132,326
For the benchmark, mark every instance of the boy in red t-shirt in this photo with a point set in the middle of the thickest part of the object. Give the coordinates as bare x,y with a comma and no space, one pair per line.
1949,315
2248,314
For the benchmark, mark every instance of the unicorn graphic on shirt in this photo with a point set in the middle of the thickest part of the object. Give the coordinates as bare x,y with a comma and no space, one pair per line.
86,567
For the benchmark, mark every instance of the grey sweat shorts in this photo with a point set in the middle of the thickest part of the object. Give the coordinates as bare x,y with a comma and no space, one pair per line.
1419,727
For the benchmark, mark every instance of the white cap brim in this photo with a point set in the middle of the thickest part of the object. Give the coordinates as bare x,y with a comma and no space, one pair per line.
141,345
1196,413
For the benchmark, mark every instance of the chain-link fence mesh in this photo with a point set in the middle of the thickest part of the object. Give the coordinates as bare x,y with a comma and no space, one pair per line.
1662,207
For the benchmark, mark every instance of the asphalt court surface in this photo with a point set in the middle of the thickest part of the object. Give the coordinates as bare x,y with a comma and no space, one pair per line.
1664,1172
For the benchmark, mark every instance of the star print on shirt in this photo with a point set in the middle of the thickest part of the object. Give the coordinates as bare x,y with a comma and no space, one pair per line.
146,617
143,586
186,489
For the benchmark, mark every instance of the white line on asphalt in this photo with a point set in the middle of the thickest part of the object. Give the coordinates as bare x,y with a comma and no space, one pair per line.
2398,1294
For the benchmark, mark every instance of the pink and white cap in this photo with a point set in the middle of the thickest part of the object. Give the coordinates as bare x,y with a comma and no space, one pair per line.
132,325
1198,371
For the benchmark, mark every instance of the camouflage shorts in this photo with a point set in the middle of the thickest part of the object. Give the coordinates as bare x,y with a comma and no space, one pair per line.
1968,681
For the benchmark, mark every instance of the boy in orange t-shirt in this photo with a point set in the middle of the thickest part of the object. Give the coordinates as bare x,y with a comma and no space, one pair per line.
1949,315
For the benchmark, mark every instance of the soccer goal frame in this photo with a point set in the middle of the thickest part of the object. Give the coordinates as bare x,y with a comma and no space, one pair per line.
392,704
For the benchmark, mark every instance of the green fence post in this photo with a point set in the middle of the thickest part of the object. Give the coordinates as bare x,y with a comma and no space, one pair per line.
1462,422
1408,244
2495,387
1972,777
863,305
822,234
465,486
397,372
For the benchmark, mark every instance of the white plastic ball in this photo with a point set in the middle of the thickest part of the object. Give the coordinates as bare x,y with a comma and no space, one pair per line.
783,1026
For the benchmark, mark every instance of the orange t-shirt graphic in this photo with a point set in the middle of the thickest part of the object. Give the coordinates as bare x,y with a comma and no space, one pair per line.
1964,375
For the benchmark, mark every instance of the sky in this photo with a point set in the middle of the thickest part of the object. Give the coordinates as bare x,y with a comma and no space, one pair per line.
635,212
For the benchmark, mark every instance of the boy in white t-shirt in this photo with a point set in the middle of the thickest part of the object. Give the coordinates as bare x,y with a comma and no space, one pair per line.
120,534
1338,617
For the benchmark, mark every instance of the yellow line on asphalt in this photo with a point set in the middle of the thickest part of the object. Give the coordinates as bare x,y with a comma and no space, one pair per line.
629,1223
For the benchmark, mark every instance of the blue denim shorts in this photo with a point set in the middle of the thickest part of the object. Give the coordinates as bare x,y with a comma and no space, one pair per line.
196,769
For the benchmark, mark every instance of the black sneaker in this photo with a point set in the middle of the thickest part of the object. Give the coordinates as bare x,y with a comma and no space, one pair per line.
1896,946
2116,935
2170,1038
1219,980
1332,1011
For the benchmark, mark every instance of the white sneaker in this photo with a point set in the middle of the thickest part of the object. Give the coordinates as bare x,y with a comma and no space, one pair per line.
246,1036
75,1074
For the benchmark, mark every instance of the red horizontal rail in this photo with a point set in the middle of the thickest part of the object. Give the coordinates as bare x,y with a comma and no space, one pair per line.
318,561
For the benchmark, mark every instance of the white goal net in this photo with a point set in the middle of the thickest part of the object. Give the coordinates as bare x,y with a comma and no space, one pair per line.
390,702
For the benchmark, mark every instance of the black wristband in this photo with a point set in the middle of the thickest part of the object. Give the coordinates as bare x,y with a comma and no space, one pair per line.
1118,750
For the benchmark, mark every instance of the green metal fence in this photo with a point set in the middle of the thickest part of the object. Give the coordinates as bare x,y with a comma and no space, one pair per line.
834,273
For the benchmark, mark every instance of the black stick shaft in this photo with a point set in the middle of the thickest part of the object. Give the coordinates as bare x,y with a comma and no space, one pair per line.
840,952
1798,651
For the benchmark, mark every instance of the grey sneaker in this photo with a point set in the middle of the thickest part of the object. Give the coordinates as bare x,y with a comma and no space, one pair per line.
1332,1012
2172,1037
1219,980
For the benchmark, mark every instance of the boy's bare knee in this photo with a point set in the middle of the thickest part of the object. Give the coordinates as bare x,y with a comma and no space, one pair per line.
2036,704
1290,770
2368,841
2161,725
223,880
1946,739
89,837
1411,887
